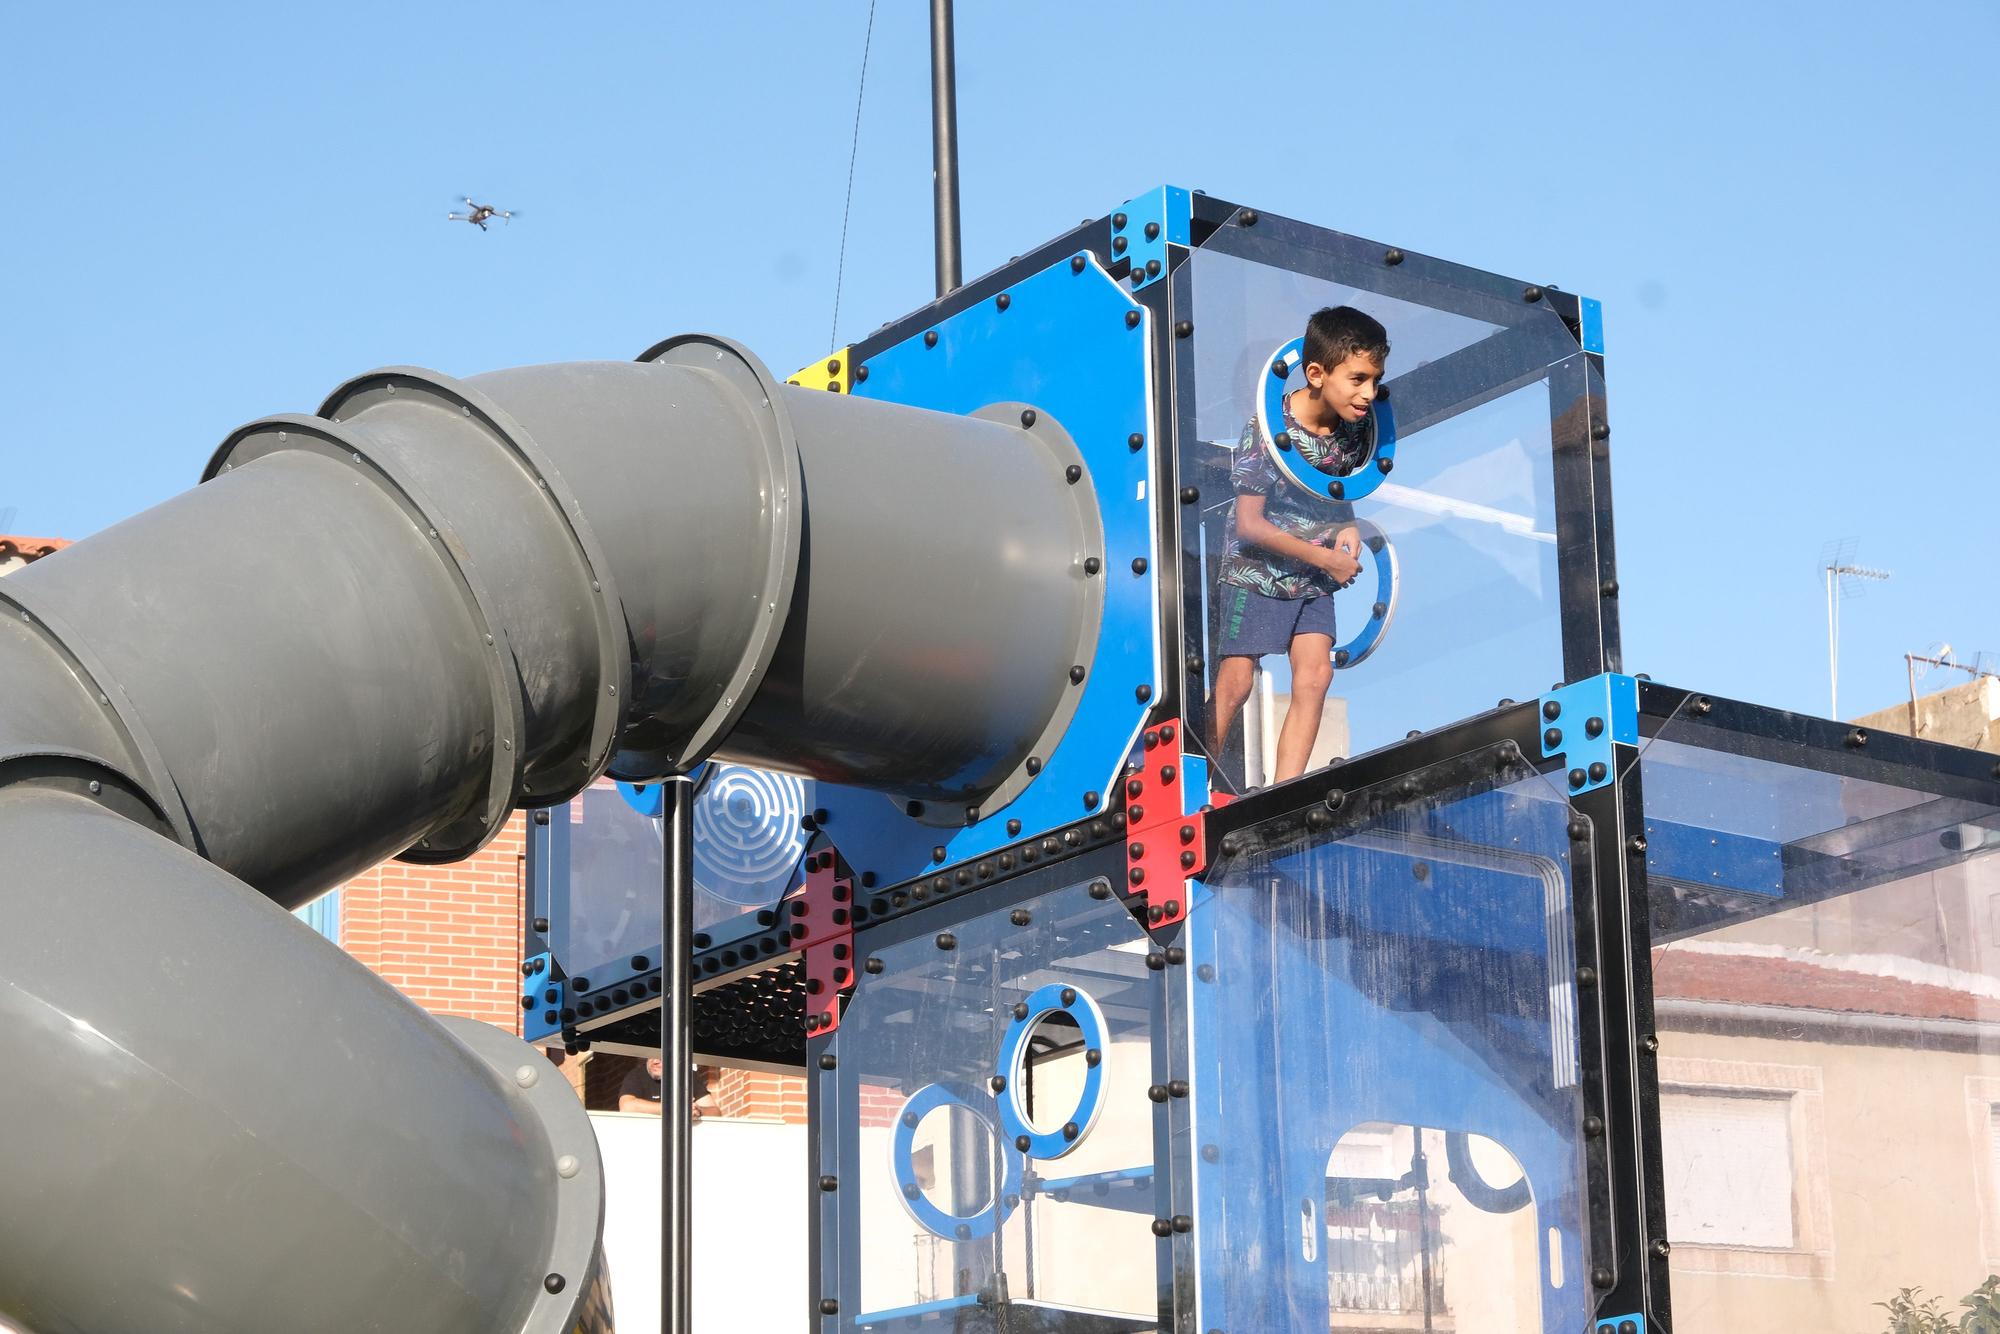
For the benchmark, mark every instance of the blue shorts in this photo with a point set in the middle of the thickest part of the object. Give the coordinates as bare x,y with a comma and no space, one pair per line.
1254,624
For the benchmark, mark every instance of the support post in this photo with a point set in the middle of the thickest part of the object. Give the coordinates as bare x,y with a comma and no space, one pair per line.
676,1058
944,147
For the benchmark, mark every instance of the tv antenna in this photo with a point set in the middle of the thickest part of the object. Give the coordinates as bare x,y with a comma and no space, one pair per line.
1843,580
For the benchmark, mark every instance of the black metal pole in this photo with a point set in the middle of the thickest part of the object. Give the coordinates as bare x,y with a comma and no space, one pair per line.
677,1059
944,147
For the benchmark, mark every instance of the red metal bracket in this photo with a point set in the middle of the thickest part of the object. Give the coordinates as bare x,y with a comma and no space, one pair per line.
823,929
1164,846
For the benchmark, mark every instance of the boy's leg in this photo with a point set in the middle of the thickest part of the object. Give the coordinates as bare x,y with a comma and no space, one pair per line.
1234,679
1312,673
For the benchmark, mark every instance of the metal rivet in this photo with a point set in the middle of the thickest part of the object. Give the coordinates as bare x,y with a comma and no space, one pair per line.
553,1283
1132,318
1184,329
930,338
568,1166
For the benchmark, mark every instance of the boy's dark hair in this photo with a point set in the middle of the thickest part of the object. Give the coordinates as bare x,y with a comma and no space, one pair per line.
1335,333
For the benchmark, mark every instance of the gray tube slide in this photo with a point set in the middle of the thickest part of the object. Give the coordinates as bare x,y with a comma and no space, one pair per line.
377,631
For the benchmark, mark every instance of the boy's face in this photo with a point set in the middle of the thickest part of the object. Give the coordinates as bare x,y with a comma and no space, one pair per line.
1348,389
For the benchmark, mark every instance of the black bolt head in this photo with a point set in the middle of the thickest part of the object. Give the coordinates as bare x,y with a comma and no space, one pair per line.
1117,222
1531,293
1118,244
998,1083
829,1184
874,965
1068,995
1392,257
829,1306
1138,565
1248,217
1551,709
1184,329
1152,268
554,1283
1143,693
930,338
1552,739
1076,264
1189,495
1028,416
1577,778
1385,465
1003,301
1158,1093
1152,231
1135,441
937,853
1132,319
1598,771
1071,1130
1593,727
1091,565
860,373
1163,1227
1073,474
1023,1143
1020,1011
827,1061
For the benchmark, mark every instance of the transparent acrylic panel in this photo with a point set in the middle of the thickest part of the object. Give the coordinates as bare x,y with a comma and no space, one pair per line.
1826,974
1386,1070
1457,600
747,838
962,1229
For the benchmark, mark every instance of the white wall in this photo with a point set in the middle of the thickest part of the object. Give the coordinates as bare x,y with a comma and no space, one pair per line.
750,1257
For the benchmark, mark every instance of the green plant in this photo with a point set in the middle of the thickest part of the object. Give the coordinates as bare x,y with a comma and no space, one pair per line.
1910,1312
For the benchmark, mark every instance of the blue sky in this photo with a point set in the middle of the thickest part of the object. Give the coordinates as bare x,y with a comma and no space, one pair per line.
217,212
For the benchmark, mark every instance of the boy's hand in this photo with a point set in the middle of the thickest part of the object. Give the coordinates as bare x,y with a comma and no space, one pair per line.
1340,562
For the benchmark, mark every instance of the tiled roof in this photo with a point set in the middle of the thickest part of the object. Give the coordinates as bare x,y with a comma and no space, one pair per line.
1853,985
28,548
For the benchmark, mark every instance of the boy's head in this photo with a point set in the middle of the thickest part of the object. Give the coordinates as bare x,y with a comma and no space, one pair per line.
1344,356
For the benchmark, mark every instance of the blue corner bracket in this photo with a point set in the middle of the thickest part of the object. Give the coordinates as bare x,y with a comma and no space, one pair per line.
1584,720
1143,227
542,999
1592,319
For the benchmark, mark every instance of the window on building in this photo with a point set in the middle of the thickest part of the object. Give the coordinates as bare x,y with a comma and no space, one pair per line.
1730,1168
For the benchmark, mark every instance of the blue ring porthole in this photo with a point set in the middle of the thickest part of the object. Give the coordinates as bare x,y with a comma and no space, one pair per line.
1271,408
1055,998
902,1164
1369,637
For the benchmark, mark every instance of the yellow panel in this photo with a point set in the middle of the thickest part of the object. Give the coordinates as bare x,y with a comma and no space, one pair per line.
829,373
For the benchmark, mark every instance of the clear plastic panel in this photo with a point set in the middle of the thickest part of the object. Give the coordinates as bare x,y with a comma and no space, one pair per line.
964,1230
1826,975
1457,602
747,838
1386,1070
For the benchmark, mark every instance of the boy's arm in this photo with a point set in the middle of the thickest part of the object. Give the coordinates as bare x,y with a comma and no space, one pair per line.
1252,527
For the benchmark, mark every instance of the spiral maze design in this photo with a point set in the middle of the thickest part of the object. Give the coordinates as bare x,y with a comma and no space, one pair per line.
747,833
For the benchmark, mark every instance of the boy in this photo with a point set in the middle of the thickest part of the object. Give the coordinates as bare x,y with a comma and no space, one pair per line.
1289,550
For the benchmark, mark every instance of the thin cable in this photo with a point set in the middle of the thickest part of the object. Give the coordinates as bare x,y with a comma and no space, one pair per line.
840,269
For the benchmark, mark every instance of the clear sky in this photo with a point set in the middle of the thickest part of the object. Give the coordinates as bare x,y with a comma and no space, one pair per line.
216,212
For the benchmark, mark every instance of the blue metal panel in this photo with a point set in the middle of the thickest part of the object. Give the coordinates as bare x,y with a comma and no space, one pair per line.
1074,344
1583,720
1593,326
1714,857
1152,222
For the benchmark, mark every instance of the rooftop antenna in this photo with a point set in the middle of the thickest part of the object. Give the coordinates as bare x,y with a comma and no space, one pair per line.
1843,580
1940,654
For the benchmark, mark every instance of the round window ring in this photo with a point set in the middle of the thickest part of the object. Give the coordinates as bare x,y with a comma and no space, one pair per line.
1055,998
902,1165
1387,588
1367,475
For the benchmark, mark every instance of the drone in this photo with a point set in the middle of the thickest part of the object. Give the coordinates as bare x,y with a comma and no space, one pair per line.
478,214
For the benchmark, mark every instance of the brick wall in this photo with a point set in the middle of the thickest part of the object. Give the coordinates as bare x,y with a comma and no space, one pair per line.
448,937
